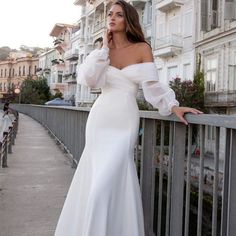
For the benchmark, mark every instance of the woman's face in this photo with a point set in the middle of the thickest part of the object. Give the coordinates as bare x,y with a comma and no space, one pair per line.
115,19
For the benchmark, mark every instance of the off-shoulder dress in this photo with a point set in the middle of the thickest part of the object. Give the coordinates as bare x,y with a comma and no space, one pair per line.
104,198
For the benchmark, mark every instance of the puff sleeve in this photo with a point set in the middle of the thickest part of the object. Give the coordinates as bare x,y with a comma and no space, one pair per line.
158,94
92,71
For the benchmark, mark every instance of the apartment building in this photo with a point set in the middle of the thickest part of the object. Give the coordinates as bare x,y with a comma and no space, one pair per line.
62,41
93,24
45,63
15,70
216,42
174,39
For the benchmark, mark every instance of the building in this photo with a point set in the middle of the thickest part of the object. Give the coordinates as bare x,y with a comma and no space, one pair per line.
61,34
174,38
92,26
216,42
15,70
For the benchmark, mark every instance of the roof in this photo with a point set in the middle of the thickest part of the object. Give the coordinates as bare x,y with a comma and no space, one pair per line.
58,27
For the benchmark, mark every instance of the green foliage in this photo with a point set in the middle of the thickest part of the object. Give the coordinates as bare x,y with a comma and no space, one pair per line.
4,52
35,91
190,93
58,94
144,105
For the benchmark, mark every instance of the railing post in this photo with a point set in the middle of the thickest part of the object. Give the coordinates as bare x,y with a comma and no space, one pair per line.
177,188
147,173
9,140
232,187
4,158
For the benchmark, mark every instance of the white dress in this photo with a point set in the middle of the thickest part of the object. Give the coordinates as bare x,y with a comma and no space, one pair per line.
104,197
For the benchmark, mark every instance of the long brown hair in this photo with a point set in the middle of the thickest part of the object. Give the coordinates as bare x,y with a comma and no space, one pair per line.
134,31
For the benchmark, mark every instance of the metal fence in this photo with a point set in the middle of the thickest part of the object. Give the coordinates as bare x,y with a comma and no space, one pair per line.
185,190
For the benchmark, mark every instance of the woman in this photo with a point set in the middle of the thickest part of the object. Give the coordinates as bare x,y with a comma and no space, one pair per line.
104,196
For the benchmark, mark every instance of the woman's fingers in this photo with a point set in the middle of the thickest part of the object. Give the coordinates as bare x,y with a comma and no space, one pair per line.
180,112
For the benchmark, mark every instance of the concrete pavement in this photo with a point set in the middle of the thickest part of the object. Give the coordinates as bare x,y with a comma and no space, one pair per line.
34,186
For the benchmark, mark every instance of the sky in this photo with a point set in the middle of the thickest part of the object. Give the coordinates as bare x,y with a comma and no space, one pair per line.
29,22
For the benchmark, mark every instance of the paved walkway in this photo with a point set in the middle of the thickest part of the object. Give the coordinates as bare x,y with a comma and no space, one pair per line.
34,187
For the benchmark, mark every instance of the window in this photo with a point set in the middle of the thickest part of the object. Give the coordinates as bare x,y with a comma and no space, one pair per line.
232,74
29,70
187,72
13,72
142,16
149,13
175,25
160,30
5,73
209,14
211,74
1,72
188,24
19,71
59,78
23,70
35,69
230,10
172,73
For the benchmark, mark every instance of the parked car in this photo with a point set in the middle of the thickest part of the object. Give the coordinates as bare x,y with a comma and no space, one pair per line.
58,102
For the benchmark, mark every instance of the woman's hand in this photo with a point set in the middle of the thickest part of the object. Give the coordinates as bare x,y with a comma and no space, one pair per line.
180,111
107,37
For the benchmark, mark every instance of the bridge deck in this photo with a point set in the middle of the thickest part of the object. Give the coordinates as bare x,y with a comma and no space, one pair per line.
34,186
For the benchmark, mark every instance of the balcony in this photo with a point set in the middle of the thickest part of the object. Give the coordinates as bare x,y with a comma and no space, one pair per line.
138,3
168,46
99,26
220,98
47,70
58,86
168,5
69,78
72,55
80,2
58,41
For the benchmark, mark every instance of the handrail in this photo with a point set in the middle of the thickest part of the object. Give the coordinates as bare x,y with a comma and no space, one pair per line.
181,181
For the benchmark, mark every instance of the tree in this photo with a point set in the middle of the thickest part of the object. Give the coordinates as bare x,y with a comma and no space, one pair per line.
190,93
4,52
35,91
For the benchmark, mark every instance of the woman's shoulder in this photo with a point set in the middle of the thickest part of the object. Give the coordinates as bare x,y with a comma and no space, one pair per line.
145,51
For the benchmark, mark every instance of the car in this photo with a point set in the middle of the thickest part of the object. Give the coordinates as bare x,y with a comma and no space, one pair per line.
58,102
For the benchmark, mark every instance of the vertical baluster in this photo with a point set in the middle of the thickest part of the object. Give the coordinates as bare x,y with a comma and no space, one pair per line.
188,182
201,178
225,184
169,179
159,220
176,217
216,181
147,173
232,187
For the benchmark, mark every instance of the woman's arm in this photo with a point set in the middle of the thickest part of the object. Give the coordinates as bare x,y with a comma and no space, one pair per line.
160,95
92,72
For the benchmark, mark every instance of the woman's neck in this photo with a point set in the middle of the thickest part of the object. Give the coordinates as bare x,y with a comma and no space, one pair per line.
119,40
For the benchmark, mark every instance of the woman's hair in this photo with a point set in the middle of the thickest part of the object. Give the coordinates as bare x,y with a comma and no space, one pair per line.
134,31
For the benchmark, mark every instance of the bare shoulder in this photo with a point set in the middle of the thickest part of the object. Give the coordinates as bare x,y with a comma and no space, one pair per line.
145,52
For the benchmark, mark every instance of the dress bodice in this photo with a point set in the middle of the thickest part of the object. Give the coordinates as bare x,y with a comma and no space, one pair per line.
96,72
117,79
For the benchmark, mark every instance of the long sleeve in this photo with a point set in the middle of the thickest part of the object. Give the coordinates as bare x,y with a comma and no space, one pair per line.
158,94
92,71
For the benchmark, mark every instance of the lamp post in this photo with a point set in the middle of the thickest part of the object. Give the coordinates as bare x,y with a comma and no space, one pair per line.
17,91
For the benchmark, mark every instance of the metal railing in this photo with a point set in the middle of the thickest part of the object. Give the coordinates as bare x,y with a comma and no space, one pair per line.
184,190
8,131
